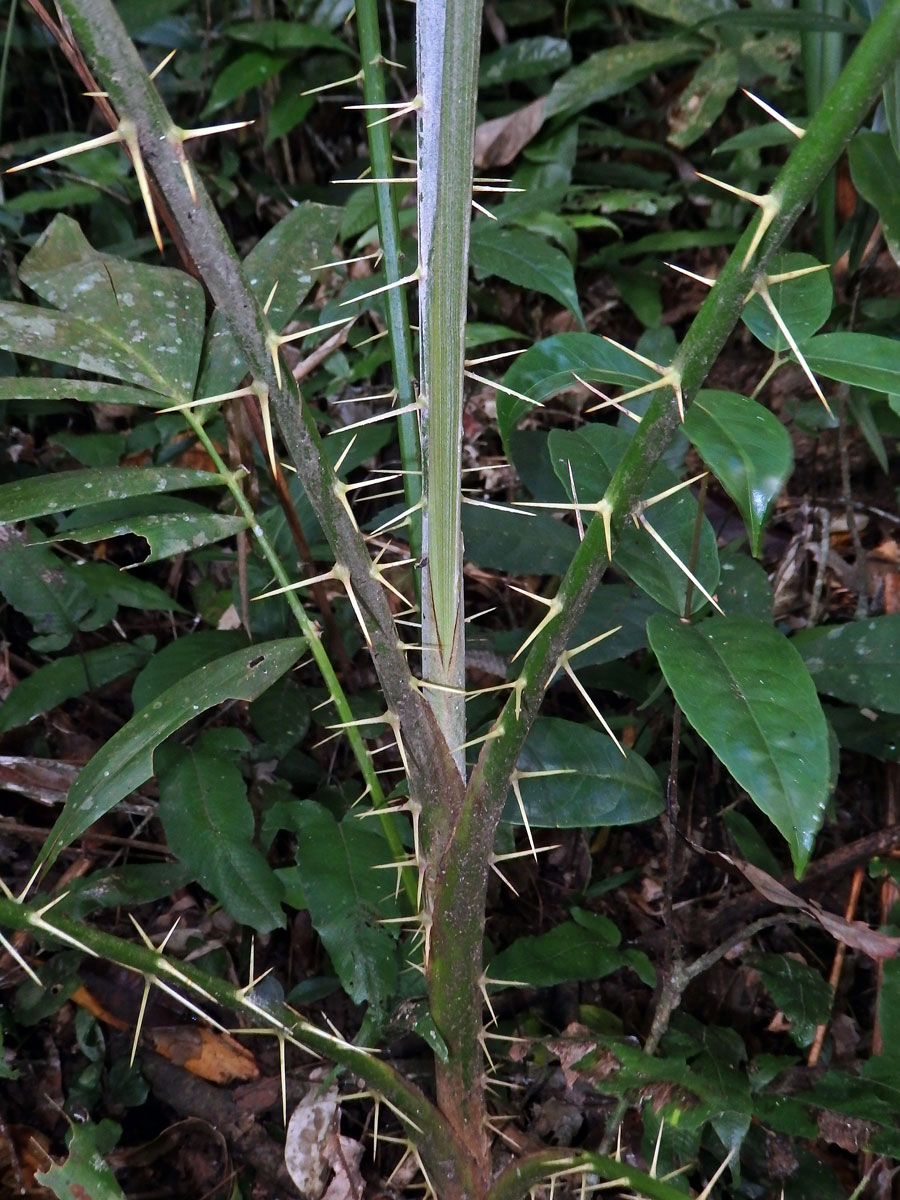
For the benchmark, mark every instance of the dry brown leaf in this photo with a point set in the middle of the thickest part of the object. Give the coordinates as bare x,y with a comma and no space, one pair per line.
498,142
204,1052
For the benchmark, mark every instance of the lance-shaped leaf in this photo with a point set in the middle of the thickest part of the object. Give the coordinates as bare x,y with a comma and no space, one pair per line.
746,691
865,359
525,259
166,533
858,662
36,497
747,449
126,761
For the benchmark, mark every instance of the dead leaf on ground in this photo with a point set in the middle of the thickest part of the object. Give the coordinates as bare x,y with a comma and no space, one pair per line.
498,142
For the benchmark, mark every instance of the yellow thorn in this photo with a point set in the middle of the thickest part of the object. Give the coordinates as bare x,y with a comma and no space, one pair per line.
681,566
128,133
763,290
796,130
357,78
105,139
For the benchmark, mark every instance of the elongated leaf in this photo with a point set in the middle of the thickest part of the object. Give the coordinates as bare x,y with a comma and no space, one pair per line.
526,58
166,533
592,783
250,70
36,497
135,322
866,359
288,256
209,825
858,662
593,453
67,677
748,450
804,303
286,35
84,390
611,71
746,691
348,897
567,953
703,100
550,366
800,992
525,259
876,174
126,761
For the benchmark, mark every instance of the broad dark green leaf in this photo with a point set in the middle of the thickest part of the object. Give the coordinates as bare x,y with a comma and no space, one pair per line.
746,448
593,453
590,781
250,70
550,366
126,760
611,71
746,691
209,826
348,898
288,256
858,662
165,533
526,58
801,993
286,35
569,952
44,494
526,260
59,681
516,541
876,174
804,303
866,359
142,324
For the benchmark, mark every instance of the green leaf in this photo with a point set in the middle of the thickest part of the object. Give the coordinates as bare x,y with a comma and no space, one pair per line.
250,70
526,260
347,898
288,256
135,322
569,952
166,534
746,691
804,303
180,658
126,761
800,992
202,804
71,489
64,197
593,453
59,681
590,781
866,359
286,35
85,390
876,175
611,71
858,662
85,1174
746,448
550,366
48,591
517,541
703,100
526,58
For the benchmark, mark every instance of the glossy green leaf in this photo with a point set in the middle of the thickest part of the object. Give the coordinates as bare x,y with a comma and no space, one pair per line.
804,303
703,100
746,448
85,1173
550,367
801,993
288,256
180,658
526,58
516,541
569,952
142,324
59,681
526,260
593,453
126,760
594,785
858,662
348,898
744,586
865,359
876,175
166,534
746,691
611,71
250,70
44,494
209,825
